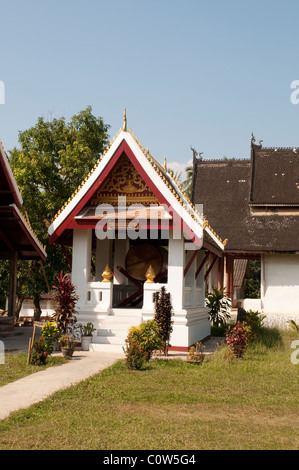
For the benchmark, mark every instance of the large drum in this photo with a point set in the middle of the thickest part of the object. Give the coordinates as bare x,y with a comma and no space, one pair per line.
140,257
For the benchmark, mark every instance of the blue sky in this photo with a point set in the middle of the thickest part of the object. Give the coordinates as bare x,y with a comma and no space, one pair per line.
189,72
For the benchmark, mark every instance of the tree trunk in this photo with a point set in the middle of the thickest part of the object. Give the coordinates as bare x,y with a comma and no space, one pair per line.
18,307
37,309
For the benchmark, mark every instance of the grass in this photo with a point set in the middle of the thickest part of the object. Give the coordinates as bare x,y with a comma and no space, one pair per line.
250,403
15,367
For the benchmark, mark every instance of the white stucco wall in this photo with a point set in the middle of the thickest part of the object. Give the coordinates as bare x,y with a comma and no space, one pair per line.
280,289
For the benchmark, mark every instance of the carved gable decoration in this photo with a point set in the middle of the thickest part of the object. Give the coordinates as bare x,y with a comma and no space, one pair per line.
124,180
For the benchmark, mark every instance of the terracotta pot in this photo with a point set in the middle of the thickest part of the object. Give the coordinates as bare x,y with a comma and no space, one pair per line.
67,352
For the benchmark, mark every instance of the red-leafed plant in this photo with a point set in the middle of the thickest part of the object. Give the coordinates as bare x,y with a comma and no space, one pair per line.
64,295
237,339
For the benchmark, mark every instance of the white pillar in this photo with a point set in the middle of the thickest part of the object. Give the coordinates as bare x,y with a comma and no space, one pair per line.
81,262
103,256
200,281
120,252
176,263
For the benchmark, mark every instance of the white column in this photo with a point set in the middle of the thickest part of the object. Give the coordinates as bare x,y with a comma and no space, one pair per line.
81,262
103,256
200,281
176,263
120,252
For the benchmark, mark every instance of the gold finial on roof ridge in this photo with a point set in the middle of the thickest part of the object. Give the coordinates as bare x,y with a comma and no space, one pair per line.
125,121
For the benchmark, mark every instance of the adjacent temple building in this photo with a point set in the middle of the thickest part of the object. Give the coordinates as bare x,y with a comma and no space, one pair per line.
254,203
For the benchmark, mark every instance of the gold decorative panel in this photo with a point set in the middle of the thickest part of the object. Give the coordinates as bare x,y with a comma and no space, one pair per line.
124,180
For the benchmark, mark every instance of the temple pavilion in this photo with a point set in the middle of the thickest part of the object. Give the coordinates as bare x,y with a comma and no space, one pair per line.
133,230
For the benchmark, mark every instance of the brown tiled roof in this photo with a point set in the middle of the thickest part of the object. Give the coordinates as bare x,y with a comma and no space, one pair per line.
275,176
228,190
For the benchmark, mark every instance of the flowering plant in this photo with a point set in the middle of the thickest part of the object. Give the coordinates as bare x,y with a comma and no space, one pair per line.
147,336
40,352
135,354
50,334
67,341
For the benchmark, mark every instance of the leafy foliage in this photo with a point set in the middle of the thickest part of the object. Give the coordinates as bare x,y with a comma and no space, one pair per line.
218,304
50,333
64,295
254,320
53,159
135,354
147,336
163,316
252,280
237,338
40,352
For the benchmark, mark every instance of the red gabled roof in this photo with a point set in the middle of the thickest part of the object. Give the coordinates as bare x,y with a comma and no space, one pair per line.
163,187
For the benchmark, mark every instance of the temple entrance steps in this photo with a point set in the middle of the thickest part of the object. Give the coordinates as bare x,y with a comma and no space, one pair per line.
114,329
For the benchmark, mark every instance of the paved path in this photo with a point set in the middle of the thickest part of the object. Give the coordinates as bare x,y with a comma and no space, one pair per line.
36,387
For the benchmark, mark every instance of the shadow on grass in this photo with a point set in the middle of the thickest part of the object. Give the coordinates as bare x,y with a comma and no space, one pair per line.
271,338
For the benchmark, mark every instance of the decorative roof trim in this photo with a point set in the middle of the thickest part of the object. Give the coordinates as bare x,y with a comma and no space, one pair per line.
170,189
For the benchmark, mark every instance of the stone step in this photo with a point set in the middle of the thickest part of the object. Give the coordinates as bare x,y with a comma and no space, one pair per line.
113,339
112,332
122,312
105,347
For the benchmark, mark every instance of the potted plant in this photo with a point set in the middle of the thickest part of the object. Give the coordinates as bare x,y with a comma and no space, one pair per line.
86,337
195,355
67,344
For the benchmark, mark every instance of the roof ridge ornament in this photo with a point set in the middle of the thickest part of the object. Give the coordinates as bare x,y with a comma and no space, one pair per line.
125,121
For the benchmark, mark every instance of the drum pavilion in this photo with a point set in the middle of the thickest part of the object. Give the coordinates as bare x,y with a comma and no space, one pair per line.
133,230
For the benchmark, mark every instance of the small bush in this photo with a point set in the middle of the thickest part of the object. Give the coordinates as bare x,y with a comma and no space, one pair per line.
40,352
147,336
136,357
219,305
163,316
254,320
50,333
237,338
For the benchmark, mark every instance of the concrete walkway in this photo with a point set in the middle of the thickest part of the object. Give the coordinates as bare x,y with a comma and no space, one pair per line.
36,387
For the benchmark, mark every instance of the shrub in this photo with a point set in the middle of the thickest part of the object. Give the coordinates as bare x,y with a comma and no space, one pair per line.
218,304
50,333
66,299
237,339
147,336
254,320
135,355
40,352
163,314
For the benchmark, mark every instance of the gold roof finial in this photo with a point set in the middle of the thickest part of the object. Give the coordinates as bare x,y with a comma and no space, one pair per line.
165,163
125,121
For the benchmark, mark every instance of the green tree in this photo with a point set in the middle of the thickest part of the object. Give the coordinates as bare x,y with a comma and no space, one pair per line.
187,185
53,159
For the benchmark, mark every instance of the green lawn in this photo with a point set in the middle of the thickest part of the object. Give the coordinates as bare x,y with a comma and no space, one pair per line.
15,367
171,405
